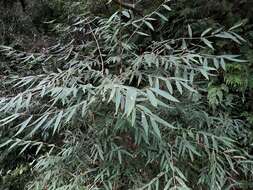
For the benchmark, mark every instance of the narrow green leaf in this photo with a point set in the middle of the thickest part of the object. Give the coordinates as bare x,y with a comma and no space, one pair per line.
142,33
9,119
5,143
189,31
14,144
166,7
39,148
169,86
130,100
216,63
144,123
152,98
206,32
179,87
42,119
161,16
148,24
24,125
155,127
117,100
24,148
204,73
208,43
236,26
165,94
163,122
133,117
223,64
57,122
126,14
112,94
188,87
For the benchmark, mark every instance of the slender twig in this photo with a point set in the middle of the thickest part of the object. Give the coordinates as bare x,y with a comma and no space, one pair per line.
120,43
99,49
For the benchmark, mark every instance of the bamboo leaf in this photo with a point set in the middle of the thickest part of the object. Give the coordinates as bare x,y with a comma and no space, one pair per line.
166,7
208,43
189,31
144,123
57,122
165,94
155,127
24,125
148,24
152,98
130,100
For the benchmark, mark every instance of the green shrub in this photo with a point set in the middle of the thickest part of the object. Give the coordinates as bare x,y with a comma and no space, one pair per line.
115,105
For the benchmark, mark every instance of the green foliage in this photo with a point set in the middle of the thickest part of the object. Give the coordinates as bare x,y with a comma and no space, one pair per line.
236,76
15,179
216,95
235,82
101,109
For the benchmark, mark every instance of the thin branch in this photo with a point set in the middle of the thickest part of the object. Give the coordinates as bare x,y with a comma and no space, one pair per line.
99,49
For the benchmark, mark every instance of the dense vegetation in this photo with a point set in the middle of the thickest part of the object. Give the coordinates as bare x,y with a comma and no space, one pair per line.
107,95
